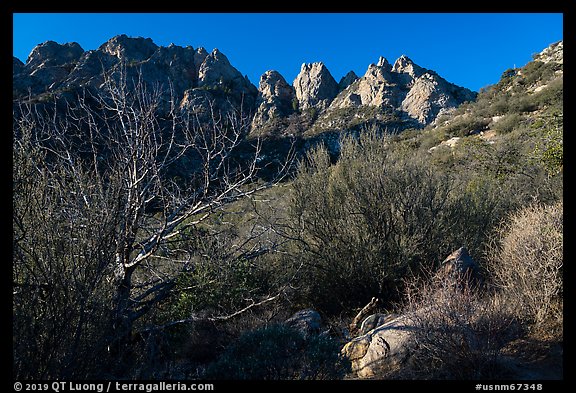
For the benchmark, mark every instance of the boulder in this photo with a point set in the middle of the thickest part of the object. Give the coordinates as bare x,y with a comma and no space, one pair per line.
307,321
372,322
460,268
381,349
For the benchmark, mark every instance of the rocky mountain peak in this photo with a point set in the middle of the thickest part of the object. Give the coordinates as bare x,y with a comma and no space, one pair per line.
347,80
272,84
380,71
194,78
214,67
275,98
128,48
315,87
200,80
199,57
216,70
47,66
51,53
383,62
405,65
414,94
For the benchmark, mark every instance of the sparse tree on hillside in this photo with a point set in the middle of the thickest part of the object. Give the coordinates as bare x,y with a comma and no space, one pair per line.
98,215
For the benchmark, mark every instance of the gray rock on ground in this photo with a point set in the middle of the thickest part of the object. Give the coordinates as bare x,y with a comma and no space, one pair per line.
461,268
307,321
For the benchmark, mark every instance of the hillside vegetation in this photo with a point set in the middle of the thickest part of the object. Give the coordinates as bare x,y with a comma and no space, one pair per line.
174,258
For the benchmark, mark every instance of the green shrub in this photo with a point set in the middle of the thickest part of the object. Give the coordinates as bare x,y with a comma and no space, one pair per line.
552,95
536,71
499,106
465,125
380,213
279,352
549,145
523,103
218,279
507,123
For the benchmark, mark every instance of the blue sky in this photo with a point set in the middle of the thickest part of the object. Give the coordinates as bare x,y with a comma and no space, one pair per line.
470,49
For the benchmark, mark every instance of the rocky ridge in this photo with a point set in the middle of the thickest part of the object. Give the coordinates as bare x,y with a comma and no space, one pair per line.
187,75
416,94
552,53
401,95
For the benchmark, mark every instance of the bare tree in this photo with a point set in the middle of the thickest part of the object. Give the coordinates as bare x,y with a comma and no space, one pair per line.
103,174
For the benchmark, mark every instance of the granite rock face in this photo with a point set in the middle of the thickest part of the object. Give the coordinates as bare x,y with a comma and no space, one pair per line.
216,70
47,66
315,87
552,53
276,98
129,49
50,54
417,94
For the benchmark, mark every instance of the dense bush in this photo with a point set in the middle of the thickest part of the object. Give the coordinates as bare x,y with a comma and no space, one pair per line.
218,279
466,125
507,123
279,352
380,213
527,265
